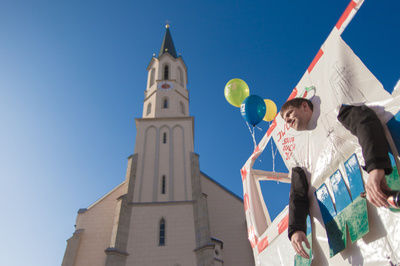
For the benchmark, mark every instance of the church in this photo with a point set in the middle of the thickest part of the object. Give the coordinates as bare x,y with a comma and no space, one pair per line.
166,212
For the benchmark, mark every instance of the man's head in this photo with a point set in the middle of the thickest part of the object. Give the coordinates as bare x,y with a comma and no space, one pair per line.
297,113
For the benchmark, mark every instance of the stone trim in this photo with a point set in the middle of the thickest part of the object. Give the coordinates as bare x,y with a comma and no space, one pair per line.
143,156
156,176
115,251
175,90
184,159
165,118
207,246
183,96
161,203
219,241
103,197
72,248
82,210
122,197
171,179
204,249
151,94
219,260
116,255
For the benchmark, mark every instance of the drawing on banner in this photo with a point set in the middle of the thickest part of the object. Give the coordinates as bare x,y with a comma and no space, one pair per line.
341,82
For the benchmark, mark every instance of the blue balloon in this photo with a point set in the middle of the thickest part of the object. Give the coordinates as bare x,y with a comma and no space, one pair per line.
253,109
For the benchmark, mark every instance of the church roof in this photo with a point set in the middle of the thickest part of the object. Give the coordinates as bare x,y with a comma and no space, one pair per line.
167,45
220,185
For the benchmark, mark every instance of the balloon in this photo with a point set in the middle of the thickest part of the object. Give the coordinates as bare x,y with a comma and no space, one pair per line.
236,90
271,110
253,109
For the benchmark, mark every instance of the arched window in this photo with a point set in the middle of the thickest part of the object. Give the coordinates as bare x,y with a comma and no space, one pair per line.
161,239
163,180
152,77
165,103
182,107
180,76
148,109
164,137
166,72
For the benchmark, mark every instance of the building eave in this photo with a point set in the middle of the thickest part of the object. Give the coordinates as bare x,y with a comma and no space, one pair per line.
105,196
221,186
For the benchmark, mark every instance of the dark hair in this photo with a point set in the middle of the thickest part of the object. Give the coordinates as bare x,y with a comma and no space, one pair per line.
295,102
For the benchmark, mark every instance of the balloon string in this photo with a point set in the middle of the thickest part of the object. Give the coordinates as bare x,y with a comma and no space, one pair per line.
252,134
273,153
273,157
259,128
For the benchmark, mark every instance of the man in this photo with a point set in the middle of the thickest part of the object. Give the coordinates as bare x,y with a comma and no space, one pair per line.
366,126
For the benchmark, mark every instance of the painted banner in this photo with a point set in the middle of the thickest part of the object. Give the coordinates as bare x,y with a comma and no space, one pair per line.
332,157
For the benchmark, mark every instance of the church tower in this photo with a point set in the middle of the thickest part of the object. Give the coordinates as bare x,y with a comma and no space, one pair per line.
166,212
164,139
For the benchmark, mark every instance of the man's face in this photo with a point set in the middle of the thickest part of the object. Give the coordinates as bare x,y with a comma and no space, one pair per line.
298,118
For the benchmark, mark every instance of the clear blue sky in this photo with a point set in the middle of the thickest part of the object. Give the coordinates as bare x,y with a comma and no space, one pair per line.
72,76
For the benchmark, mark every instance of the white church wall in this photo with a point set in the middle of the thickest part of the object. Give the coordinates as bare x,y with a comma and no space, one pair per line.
165,59
151,77
146,166
97,223
143,244
164,164
152,65
151,100
227,223
156,158
182,65
179,173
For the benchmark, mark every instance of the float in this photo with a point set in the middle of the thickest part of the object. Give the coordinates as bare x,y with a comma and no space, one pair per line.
343,227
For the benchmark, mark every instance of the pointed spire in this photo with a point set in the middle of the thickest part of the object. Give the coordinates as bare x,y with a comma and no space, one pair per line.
167,45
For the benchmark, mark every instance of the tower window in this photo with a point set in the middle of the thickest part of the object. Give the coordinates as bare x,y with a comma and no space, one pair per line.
182,107
152,77
161,239
165,103
164,138
163,180
166,72
148,109
180,75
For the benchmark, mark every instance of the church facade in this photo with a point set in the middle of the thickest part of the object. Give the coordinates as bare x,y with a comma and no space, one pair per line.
166,212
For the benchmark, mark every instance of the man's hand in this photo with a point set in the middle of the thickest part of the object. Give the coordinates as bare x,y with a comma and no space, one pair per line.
376,185
297,240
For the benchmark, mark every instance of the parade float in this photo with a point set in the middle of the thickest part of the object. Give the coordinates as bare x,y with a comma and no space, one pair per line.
343,227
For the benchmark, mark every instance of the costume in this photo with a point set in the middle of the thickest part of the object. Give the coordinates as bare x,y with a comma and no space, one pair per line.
362,122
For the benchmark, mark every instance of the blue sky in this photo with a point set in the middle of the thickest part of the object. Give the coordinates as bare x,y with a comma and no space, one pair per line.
72,77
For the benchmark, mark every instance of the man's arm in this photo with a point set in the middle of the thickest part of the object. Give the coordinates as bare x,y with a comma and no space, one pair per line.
362,122
298,210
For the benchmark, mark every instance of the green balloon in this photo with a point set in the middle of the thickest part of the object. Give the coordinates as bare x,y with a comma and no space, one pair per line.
236,90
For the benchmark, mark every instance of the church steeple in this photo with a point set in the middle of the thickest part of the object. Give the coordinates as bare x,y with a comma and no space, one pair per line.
167,45
166,94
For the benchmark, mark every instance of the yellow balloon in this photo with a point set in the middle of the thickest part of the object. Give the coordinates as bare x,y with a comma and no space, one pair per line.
271,110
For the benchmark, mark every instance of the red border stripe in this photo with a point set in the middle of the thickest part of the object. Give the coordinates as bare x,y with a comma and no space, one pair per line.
283,224
243,172
293,94
252,237
271,128
263,244
246,201
257,149
315,60
345,14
